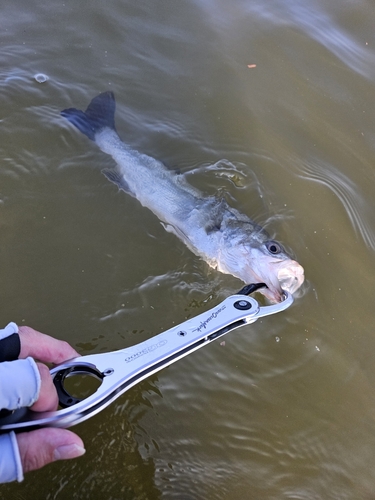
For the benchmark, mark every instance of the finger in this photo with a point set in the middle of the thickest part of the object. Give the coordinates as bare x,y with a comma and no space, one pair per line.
43,446
43,347
47,399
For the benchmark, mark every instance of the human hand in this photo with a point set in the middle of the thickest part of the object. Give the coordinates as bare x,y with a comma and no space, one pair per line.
43,347
40,447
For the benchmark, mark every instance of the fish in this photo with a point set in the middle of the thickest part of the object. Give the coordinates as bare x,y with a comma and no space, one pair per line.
228,240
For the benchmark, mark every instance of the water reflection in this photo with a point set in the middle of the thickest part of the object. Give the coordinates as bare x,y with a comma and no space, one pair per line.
255,418
322,23
353,201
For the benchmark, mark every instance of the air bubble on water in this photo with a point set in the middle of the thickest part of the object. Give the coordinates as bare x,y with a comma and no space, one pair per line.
40,77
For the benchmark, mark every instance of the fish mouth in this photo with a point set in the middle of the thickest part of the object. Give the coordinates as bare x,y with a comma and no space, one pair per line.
291,276
281,276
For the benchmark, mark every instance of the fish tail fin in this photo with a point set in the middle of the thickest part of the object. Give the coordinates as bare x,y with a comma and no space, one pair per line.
99,114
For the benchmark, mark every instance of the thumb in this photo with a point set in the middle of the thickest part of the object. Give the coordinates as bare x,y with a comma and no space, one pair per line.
43,446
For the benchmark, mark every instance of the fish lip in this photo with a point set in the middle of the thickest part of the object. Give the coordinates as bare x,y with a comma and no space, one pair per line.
279,276
272,295
273,290
291,276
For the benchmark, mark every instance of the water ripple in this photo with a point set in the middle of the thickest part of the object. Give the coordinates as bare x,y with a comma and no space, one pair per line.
346,191
323,28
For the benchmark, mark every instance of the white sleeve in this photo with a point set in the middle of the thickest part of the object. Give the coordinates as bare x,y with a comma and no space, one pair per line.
19,383
19,387
8,330
10,460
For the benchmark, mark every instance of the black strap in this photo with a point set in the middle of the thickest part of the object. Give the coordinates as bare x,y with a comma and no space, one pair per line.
253,287
10,347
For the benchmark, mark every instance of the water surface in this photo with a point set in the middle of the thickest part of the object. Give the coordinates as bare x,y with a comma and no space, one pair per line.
285,408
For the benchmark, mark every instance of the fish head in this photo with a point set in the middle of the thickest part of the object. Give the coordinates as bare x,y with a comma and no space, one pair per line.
263,260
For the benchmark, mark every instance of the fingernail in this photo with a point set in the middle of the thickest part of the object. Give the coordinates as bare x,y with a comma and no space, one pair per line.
68,451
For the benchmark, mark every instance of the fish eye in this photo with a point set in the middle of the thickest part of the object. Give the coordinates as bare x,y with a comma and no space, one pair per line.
273,247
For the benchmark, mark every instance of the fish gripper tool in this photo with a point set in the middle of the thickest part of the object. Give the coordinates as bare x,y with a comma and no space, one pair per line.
120,370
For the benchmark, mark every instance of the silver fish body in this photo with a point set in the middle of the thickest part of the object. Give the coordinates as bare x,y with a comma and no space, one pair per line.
225,238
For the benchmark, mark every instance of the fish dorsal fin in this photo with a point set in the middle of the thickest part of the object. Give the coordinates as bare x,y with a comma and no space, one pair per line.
217,209
113,176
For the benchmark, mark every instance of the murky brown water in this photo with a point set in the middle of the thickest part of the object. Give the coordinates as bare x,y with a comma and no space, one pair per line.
286,408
